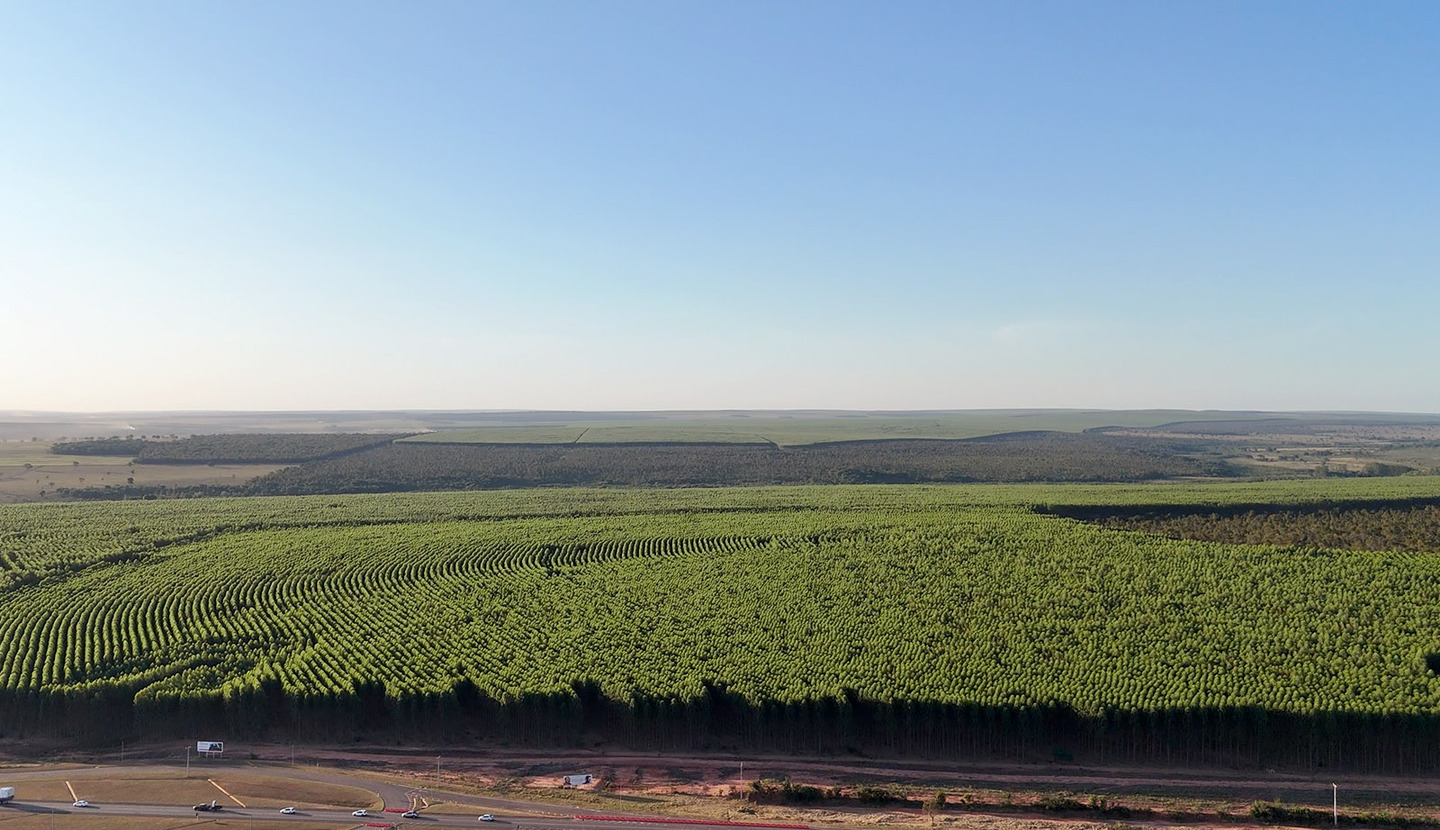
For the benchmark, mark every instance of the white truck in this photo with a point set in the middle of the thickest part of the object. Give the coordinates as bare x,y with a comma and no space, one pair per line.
7,794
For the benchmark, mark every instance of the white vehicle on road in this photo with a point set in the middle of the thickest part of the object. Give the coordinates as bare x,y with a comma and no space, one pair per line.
81,803
487,817
361,814
289,811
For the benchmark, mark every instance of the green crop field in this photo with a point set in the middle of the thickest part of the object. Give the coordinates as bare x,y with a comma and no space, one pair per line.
733,616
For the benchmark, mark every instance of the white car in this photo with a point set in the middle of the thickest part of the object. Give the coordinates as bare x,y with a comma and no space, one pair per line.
81,803
361,814
409,814
289,811
487,817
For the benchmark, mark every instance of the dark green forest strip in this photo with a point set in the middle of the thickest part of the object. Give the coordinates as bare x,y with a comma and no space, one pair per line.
1400,526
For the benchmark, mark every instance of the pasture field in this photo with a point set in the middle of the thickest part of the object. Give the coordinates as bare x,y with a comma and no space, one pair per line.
900,620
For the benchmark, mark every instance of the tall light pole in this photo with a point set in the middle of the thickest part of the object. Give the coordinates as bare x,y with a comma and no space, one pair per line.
437,773
1336,805
187,760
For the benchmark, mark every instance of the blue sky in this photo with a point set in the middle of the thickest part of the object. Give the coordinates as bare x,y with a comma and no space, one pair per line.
671,205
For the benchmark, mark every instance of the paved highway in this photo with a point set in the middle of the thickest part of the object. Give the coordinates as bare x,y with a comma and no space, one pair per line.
271,817
509,814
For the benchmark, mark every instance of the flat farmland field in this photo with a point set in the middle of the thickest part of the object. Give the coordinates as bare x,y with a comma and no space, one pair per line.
29,471
901,620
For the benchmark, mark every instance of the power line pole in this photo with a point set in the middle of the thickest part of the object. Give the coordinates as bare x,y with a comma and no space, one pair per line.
1336,805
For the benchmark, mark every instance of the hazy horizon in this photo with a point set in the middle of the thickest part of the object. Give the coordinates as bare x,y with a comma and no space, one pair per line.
919,206
722,411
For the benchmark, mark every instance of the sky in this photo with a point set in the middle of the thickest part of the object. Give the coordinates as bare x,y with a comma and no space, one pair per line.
719,205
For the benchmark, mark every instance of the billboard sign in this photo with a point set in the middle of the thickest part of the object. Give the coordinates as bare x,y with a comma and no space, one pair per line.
209,747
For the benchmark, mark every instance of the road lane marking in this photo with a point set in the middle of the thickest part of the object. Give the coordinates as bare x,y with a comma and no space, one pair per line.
227,792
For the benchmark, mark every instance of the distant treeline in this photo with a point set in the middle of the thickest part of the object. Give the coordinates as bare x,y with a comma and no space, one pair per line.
720,720
1021,457
129,446
248,448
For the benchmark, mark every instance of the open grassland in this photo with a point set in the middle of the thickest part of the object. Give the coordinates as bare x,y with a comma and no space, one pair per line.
942,619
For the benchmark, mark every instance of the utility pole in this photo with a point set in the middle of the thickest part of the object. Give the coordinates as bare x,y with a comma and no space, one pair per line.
187,760
122,753
1336,805
437,773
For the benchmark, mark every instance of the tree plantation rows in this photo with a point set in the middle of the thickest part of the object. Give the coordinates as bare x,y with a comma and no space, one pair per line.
921,620
373,464
1040,456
